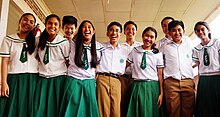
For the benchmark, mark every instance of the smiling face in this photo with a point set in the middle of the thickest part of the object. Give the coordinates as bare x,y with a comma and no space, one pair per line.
202,32
177,33
26,23
87,31
52,27
164,26
130,31
114,33
148,39
69,30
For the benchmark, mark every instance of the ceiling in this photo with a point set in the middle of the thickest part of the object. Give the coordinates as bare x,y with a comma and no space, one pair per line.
101,12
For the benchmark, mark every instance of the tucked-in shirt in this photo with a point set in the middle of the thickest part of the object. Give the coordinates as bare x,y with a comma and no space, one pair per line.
113,60
58,55
12,47
80,72
178,60
153,62
213,48
128,49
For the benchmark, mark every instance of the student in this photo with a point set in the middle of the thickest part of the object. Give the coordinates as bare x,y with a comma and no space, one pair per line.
179,87
19,70
53,50
80,87
207,56
130,31
69,24
112,66
167,38
147,89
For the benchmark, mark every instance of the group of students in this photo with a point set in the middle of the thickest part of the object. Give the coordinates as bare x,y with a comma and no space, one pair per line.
74,75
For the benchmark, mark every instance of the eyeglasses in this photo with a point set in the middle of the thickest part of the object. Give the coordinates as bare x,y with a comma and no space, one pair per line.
112,31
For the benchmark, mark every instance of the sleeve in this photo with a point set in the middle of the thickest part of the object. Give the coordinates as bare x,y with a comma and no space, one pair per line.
130,57
99,50
160,61
5,47
195,56
65,49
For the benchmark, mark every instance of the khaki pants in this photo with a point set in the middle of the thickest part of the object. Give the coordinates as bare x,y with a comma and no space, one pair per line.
109,96
180,97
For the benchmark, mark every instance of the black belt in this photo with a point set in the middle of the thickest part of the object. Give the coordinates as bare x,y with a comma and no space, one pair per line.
110,74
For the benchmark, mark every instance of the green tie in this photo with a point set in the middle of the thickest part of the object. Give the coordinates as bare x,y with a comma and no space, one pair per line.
206,57
23,57
85,59
46,55
143,61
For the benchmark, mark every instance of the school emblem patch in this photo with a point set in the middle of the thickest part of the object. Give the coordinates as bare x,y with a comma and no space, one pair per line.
121,60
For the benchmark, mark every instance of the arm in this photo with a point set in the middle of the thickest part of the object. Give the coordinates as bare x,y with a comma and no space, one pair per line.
160,78
127,64
4,75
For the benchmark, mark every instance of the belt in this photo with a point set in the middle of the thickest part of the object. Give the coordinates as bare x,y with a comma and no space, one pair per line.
110,74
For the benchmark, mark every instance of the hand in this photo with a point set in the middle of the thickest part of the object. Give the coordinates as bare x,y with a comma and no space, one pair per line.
160,100
4,90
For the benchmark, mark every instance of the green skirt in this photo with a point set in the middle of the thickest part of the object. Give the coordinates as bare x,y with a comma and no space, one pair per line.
21,94
79,98
143,102
48,95
208,97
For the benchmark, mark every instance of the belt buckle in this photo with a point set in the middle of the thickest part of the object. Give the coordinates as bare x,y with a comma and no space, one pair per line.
113,75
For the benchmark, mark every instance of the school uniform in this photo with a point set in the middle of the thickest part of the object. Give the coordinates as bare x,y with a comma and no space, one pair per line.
179,86
126,80
145,88
162,42
52,71
79,98
22,78
208,95
111,67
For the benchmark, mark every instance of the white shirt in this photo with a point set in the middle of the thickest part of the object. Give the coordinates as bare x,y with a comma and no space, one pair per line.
178,60
80,72
58,54
11,47
113,60
128,49
162,42
213,48
154,61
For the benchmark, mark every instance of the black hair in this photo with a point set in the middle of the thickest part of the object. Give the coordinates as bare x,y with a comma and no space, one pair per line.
129,22
153,47
204,24
69,20
166,18
30,38
45,36
175,23
79,47
114,23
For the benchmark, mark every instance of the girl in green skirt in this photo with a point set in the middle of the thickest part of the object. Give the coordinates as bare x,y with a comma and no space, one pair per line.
80,87
19,70
53,52
147,89
207,57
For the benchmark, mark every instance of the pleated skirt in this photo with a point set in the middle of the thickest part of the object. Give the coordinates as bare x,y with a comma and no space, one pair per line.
21,94
208,97
143,102
79,98
48,95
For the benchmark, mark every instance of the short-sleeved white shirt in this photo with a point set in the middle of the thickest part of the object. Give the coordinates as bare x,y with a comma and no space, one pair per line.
113,60
11,47
128,49
80,72
154,61
162,42
178,60
58,54
213,48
